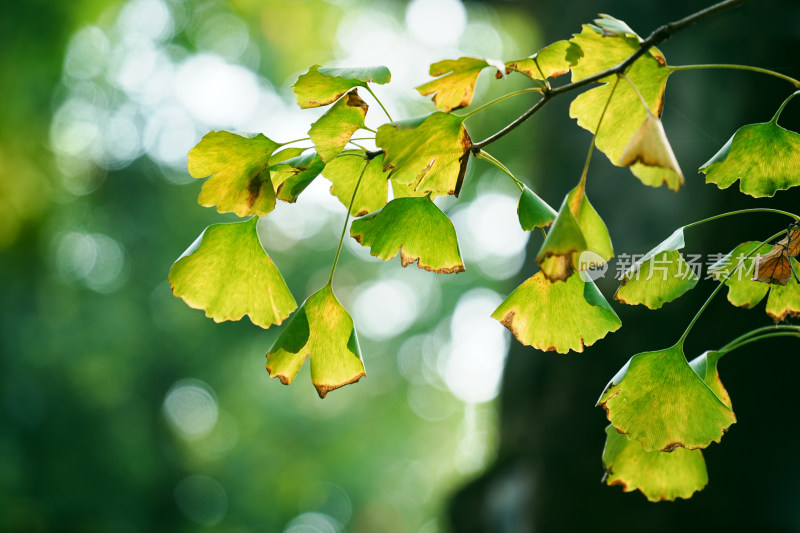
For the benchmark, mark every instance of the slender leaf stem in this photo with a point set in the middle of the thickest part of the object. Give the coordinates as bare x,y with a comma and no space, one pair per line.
346,220
596,132
743,211
380,104
500,99
369,129
767,331
638,93
791,80
296,141
357,145
491,159
761,338
722,284
780,109
658,36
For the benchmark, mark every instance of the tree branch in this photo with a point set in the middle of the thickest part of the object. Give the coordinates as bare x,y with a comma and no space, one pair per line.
658,36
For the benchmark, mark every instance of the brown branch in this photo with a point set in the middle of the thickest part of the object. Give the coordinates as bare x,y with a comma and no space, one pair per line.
658,36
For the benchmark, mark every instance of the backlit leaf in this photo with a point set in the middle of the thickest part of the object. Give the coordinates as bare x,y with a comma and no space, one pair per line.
658,475
333,130
660,276
373,190
239,181
649,146
323,330
291,177
456,84
324,85
705,366
577,229
429,153
658,400
549,62
744,291
227,273
533,212
560,316
417,229
604,47
765,158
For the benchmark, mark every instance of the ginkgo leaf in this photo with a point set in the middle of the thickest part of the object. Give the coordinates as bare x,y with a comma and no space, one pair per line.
764,157
373,191
429,153
333,130
744,291
557,316
291,177
549,62
705,366
417,229
324,85
605,46
239,181
401,190
227,273
323,330
660,276
577,229
658,400
455,87
285,155
649,146
533,212
658,475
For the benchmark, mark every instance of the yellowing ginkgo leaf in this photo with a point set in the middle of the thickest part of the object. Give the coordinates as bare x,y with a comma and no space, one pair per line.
227,273
291,177
373,191
416,228
658,400
324,85
557,316
455,87
549,62
649,146
429,154
333,130
239,181
323,330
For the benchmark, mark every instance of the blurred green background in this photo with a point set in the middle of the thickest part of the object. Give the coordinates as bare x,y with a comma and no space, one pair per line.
124,410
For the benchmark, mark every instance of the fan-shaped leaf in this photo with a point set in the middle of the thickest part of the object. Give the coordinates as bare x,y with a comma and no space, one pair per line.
765,158
605,46
658,475
577,229
239,182
455,87
649,146
557,316
705,366
430,153
658,399
533,212
227,273
324,85
322,329
291,177
333,130
549,62
373,190
659,277
417,229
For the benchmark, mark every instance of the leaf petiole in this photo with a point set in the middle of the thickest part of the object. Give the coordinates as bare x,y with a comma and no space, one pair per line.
791,80
780,109
500,99
760,334
743,211
346,220
482,154
379,103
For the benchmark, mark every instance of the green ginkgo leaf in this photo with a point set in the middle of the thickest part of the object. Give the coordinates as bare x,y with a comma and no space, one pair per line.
605,46
658,400
765,158
550,62
705,366
416,228
456,84
533,212
430,153
333,130
239,181
744,291
291,177
557,316
323,330
324,85
577,229
373,191
660,276
227,273
658,475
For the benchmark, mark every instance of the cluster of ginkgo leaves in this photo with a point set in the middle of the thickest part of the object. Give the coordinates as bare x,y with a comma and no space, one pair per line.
663,409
